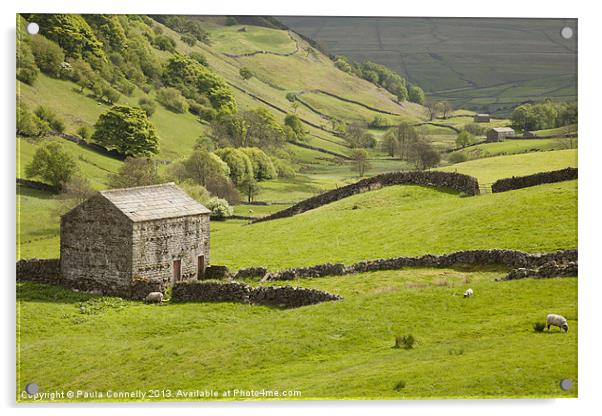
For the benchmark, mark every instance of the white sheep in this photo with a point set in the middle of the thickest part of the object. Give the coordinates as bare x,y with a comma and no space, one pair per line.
557,320
468,293
154,297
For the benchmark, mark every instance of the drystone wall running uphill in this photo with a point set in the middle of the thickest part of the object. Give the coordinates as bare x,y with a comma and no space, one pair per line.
508,258
282,297
463,183
518,182
41,186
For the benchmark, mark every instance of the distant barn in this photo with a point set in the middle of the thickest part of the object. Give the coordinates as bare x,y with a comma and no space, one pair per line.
498,134
149,237
482,118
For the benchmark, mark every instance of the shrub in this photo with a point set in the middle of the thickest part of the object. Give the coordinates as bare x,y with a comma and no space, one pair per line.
405,342
223,188
195,191
164,43
28,124
171,99
188,39
84,132
262,165
539,326
416,95
27,71
48,55
378,121
199,57
291,96
148,105
457,157
208,114
239,163
475,129
52,164
464,139
283,168
46,114
128,130
135,172
220,208
245,73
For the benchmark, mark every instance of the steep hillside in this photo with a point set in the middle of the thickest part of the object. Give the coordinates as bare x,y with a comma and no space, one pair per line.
478,63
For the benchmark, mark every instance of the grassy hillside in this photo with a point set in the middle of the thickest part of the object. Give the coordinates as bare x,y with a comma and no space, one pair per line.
510,147
404,220
324,351
491,169
510,61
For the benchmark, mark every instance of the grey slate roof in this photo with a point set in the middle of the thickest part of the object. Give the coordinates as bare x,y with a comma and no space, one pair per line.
145,203
503,129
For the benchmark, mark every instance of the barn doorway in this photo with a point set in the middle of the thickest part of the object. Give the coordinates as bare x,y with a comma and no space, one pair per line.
201,267
177,270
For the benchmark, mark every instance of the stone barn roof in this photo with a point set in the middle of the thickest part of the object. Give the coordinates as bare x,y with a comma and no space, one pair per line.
503,130
154,202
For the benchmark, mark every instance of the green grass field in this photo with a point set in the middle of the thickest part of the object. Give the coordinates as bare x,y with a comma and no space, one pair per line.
481,347
490,169
404,220
239,39
511,147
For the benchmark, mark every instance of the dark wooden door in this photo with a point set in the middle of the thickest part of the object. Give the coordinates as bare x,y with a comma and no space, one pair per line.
201,267
177,270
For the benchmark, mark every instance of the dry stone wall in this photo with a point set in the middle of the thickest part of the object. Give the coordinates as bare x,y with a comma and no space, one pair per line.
547,270
509,258
39,270
518,182
463,183
282,297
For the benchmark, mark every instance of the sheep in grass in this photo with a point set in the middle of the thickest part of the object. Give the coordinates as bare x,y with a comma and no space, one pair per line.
557,320
468,293
154,297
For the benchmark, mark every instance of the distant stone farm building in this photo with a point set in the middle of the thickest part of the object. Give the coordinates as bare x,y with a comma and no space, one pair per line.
482,118
134,239
498,134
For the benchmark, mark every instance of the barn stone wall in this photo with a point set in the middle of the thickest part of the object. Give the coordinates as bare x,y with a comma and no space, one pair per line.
156,244
463,183
96,247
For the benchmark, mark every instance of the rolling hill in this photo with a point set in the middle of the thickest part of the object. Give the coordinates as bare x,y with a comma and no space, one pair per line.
477,64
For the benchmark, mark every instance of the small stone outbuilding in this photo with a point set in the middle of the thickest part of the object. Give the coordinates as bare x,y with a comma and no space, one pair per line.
129,242
482,118
498,134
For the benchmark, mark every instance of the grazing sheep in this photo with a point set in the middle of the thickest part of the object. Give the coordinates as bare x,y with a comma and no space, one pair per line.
468,293
557,320
154,297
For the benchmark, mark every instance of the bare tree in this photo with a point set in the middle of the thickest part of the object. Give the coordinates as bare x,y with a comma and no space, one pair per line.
432,109
446,108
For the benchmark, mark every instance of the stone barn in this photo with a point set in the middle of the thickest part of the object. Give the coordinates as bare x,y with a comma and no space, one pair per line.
498,134
129,242
482,118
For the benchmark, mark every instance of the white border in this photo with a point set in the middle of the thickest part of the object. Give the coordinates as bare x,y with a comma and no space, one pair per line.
590,153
